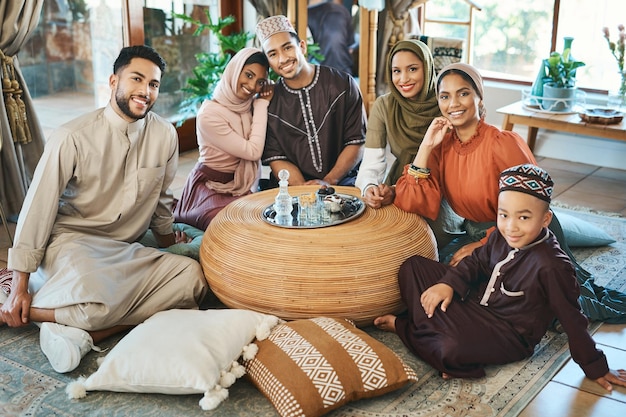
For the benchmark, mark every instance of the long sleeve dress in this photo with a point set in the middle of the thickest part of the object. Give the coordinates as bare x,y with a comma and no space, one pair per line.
230,130
230,144
465,174
398,122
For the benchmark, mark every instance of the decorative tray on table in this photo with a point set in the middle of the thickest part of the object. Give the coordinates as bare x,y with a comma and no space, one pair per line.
345,208
601,115
541,104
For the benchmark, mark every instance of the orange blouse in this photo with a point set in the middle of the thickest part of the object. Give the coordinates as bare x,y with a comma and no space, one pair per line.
466,174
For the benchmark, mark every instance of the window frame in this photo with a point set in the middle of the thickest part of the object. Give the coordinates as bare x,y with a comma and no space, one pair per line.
556,8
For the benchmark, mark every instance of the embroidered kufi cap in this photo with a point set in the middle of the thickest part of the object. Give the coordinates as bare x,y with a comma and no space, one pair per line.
529,179
272,25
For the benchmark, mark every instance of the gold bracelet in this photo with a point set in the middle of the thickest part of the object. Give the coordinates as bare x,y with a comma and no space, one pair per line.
417,174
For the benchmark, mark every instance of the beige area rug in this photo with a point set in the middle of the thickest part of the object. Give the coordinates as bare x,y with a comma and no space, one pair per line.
29,387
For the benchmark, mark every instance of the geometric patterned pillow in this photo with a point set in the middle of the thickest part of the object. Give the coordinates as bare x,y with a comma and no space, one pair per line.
310,367
6,277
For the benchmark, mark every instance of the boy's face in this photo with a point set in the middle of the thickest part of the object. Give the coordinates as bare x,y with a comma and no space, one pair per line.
521,217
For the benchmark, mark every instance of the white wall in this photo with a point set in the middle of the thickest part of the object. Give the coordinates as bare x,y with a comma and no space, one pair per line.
249,17
570,147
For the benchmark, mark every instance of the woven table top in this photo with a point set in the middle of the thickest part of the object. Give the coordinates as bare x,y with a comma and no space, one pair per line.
347,270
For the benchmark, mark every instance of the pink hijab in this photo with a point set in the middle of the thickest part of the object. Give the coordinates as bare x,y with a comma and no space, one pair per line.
247,172
226,89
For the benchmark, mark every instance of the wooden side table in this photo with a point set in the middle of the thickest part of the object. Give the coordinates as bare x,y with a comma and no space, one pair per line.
348,270
517,113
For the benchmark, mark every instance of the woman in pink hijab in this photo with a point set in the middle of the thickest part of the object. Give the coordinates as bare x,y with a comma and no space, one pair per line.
231,135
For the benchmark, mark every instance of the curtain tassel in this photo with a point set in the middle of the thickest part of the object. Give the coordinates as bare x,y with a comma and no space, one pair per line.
16,109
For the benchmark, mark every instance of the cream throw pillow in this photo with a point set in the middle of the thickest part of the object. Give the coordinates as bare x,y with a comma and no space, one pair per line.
181,352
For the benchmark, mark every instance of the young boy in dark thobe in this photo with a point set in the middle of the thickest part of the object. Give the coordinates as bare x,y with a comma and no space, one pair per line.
498,303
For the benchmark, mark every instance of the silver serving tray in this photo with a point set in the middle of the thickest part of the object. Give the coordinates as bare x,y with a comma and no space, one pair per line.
352,208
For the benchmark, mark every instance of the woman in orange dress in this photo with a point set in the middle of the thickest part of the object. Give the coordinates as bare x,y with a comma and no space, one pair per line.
461,157
460,160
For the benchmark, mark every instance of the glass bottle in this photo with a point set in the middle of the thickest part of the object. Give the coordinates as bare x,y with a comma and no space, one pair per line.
567,43
282,202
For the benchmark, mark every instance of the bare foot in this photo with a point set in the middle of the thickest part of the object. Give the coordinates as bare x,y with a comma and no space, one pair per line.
445,376
386,323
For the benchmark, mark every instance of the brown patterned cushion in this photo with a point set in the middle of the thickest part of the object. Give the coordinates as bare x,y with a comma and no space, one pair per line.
6,277
310,367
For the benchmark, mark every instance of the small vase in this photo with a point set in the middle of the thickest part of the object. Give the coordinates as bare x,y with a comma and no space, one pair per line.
567,44
536,90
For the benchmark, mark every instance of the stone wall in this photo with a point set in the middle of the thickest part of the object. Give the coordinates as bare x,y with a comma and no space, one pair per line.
68,49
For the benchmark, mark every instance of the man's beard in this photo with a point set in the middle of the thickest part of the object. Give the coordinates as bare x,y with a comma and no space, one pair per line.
122,103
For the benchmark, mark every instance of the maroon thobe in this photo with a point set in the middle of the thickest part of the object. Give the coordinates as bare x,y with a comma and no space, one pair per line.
504,301
310,126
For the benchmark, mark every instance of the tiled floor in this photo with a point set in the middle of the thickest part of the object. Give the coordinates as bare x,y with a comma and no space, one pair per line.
569,393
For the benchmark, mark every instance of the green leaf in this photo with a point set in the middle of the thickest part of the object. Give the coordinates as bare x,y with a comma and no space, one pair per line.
211,65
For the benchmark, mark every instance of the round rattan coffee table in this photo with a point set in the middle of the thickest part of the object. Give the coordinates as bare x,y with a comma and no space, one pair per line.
348,270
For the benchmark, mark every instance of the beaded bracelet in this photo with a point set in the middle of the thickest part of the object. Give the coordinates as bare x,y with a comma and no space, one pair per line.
418,173
420,170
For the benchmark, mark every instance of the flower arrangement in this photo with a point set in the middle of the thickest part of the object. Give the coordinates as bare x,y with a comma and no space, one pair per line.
617,49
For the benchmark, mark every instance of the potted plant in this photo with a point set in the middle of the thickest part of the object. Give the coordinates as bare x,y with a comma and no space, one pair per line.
211,65
205,75
559,89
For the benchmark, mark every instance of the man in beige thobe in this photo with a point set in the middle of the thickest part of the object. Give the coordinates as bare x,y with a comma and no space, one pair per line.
101,183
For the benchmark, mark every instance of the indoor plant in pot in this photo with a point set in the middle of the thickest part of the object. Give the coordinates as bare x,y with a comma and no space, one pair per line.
210,65
559,89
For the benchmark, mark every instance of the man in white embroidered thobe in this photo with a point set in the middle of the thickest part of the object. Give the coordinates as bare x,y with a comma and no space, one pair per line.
101,183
